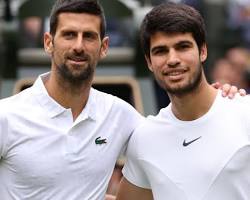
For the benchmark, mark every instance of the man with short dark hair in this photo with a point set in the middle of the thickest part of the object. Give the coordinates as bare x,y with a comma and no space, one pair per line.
198,147
60,139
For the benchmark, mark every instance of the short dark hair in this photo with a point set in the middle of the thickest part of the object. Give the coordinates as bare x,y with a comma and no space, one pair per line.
172,18
77,6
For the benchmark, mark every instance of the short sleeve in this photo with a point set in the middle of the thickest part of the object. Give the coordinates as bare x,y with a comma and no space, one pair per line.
133,170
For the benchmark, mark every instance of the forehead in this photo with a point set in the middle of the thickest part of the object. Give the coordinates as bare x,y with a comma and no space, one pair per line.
79,21
170,39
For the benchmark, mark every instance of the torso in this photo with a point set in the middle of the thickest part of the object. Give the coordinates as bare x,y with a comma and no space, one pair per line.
213,163
47,155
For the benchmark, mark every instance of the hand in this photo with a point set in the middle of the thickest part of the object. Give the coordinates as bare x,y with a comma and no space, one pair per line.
229,90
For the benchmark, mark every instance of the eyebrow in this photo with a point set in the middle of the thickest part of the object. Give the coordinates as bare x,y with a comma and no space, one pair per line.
66,30
164,47
184,42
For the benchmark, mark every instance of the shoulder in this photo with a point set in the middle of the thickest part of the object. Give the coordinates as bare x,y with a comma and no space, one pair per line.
112,103
237,109
152,122
243,99
151,128
238,102
145,133
103,96
242,104
8,104
18,102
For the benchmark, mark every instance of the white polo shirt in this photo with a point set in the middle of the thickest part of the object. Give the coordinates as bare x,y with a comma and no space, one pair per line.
46,155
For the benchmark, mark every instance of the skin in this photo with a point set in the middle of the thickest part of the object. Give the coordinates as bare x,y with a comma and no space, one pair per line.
129,191
75,50
170,60
109,197
176,61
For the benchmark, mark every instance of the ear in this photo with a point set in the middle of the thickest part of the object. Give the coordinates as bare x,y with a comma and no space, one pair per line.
149,63
203,53
104,47
48,43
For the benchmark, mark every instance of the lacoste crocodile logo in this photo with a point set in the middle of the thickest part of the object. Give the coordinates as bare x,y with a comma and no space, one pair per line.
98,140
190,142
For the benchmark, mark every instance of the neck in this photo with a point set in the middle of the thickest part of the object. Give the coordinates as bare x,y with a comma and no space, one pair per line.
68,95
194,104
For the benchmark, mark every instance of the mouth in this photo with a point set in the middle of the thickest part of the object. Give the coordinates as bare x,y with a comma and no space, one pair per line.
175,75
78,60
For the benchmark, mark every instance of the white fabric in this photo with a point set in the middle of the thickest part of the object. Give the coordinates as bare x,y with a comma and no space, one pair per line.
215,166
45,155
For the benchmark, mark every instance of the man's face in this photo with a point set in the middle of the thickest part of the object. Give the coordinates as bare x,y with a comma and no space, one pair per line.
76,46
176,61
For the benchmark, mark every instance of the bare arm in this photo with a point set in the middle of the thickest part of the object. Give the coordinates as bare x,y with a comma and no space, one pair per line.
128,191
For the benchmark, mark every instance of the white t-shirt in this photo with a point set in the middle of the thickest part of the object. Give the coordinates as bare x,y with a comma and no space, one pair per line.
204,159
45,155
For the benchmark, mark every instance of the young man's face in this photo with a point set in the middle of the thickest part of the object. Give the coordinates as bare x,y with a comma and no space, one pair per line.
76,46
176,61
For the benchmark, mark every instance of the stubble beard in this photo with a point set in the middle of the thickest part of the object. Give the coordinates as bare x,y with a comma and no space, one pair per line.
72,77
188,87
75,78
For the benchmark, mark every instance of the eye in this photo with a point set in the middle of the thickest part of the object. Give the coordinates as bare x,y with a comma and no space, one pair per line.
69,35
159,51
90,36
183,46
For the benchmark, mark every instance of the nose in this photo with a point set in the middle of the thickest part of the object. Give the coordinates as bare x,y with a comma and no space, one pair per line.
173,59
78,46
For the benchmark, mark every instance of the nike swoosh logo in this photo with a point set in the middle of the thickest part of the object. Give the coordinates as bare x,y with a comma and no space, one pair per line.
190,142
98,140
